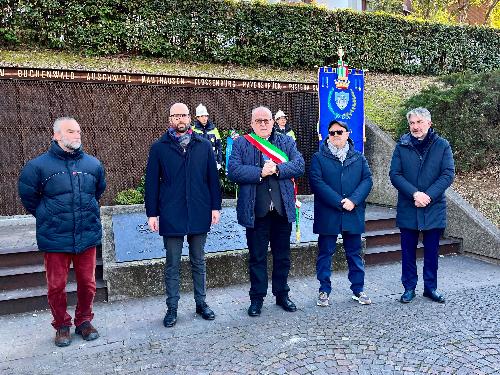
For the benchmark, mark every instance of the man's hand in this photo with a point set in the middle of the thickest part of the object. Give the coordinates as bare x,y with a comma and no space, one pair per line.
268,169
153,223
421,199
347,204
215,217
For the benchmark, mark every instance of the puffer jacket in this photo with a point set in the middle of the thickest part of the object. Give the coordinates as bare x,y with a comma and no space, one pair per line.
62,190
431,173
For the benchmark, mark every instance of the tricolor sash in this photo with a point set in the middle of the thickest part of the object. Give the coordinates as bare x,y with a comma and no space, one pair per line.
278,156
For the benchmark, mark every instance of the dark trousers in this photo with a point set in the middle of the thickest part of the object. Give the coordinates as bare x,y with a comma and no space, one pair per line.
56,270
275,229
409,241
173,247
327,244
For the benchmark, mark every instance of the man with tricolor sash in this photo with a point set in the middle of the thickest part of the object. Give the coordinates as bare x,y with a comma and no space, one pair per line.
264,164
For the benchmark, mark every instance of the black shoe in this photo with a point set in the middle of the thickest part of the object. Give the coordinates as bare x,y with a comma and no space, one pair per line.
205,311
286,304
255,308
170,317
434,295
407,296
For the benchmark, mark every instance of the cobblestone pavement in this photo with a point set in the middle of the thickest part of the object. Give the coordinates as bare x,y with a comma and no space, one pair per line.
459,337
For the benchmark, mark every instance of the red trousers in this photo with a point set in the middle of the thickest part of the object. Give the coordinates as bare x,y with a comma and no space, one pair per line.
57,266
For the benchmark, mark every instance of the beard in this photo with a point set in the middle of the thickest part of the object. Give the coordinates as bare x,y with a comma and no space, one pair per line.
181,128
72,145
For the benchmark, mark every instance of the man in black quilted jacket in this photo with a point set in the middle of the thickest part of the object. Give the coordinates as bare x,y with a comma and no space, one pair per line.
61,188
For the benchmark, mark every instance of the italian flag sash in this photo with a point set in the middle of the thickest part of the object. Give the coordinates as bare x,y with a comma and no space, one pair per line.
277,156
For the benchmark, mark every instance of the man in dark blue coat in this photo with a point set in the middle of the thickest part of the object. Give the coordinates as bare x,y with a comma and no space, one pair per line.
182,197
61,188
422,168
341,181
266,204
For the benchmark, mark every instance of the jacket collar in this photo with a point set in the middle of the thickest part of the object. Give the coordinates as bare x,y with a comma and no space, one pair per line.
284,131
56,150
405,139
210,126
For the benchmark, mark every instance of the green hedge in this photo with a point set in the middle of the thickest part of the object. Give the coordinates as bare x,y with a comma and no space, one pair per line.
248,33
467,113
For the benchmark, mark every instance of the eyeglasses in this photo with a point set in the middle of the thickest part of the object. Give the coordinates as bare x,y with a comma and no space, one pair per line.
338,132
180,115
260,121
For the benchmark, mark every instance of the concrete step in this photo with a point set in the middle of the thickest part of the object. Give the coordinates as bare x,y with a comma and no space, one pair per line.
379,218
14,257
35,298
382,237
23,285
33,275
29,255
392,253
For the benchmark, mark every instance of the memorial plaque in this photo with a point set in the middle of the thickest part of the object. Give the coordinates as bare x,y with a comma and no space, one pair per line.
134,241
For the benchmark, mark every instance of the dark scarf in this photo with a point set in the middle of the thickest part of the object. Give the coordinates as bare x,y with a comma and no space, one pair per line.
421,145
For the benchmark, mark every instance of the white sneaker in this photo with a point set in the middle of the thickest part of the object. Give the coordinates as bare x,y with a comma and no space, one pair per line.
362,298
322,299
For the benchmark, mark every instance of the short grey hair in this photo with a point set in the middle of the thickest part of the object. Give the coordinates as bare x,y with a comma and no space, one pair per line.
420,112
59,121
262,108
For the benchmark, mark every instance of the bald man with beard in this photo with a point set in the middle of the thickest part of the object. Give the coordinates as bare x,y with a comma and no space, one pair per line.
182,198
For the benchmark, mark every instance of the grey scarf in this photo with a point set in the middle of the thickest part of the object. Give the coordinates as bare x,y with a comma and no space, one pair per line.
184,140
339,153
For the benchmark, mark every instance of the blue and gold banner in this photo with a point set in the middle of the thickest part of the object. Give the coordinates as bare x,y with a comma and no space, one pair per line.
341,98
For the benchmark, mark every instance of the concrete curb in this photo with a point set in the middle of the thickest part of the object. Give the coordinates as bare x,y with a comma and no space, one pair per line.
145,278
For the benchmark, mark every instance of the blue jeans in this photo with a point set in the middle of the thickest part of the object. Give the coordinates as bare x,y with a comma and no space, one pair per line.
327,244
409,241
173,247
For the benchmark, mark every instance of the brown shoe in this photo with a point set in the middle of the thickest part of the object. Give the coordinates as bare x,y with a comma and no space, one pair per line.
87,331
63,337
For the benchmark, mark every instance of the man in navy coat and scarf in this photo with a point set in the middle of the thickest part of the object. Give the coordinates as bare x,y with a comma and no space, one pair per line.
422,168
341,181
182,198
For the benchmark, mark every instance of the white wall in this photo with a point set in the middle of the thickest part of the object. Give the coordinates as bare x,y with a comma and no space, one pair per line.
335,4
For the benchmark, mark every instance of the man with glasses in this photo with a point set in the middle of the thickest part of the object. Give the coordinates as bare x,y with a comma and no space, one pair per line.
422,168
265,164
341,181
182,198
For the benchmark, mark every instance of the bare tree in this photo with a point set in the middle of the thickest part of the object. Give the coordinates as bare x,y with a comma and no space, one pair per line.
492,6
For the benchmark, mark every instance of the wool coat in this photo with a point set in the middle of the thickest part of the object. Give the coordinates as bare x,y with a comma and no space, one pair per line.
331,181
182,186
